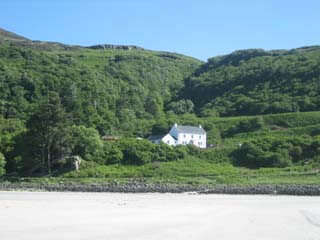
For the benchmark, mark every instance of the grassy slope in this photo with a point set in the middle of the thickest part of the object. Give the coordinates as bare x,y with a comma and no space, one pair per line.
189,171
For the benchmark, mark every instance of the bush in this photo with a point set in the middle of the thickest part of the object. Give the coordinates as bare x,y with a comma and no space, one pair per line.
136,152
139,152
112,153
247,125
272,152
216,155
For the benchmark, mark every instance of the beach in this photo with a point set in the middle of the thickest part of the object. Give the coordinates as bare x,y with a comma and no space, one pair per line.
147,216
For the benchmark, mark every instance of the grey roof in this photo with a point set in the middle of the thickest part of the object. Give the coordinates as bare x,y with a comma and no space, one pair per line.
190,129
156,137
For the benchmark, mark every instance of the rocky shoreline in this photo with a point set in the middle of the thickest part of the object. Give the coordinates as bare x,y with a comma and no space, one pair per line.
135,187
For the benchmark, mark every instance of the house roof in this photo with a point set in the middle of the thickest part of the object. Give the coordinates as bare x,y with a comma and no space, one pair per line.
190,129
156,137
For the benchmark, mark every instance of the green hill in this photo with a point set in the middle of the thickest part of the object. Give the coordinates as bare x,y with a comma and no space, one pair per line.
106,89
253,82
259,108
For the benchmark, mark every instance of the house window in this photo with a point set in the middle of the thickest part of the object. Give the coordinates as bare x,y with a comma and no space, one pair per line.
168,142
191,136
184,135
200,137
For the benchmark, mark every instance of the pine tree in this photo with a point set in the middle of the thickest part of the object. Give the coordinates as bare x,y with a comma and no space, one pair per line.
46,135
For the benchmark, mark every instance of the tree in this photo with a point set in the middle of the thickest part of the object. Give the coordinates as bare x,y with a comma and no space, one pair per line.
10,132
46,134
112,153
160,127
85,142
2,164
154,105
181,107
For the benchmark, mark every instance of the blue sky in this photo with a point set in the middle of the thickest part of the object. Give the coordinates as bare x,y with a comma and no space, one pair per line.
198,28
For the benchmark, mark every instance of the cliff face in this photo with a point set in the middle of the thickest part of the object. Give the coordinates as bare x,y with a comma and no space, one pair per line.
111,46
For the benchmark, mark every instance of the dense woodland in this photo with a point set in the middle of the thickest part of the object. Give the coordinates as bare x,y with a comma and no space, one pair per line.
258,107
254,82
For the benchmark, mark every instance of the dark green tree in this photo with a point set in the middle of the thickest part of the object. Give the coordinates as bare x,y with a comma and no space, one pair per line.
2,164
181,107
45,139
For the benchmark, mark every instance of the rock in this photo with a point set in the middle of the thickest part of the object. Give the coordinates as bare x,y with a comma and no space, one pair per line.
111,46
74,162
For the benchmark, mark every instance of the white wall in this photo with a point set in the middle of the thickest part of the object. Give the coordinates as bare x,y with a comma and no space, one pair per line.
198,140
167,139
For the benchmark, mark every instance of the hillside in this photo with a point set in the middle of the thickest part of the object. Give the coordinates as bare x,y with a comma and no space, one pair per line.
260,109
254,82
9,36
106,89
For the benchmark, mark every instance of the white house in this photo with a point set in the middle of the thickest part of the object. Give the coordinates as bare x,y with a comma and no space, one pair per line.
183,135
189,135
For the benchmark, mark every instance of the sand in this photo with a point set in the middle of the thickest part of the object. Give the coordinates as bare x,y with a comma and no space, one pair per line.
81,216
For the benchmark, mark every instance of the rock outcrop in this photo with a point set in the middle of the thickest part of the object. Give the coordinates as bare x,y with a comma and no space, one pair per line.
111,46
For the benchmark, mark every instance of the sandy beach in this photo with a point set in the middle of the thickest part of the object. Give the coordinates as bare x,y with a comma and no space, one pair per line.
95,216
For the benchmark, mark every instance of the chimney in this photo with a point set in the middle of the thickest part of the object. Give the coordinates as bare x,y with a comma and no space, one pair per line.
200,126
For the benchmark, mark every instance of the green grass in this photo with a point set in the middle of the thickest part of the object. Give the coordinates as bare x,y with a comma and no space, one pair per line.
183,172
194,171
191,170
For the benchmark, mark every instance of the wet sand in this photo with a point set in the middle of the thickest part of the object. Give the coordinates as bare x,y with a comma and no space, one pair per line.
91,216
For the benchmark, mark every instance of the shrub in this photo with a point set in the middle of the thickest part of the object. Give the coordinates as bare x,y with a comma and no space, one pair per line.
247,125
271,152
112,153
